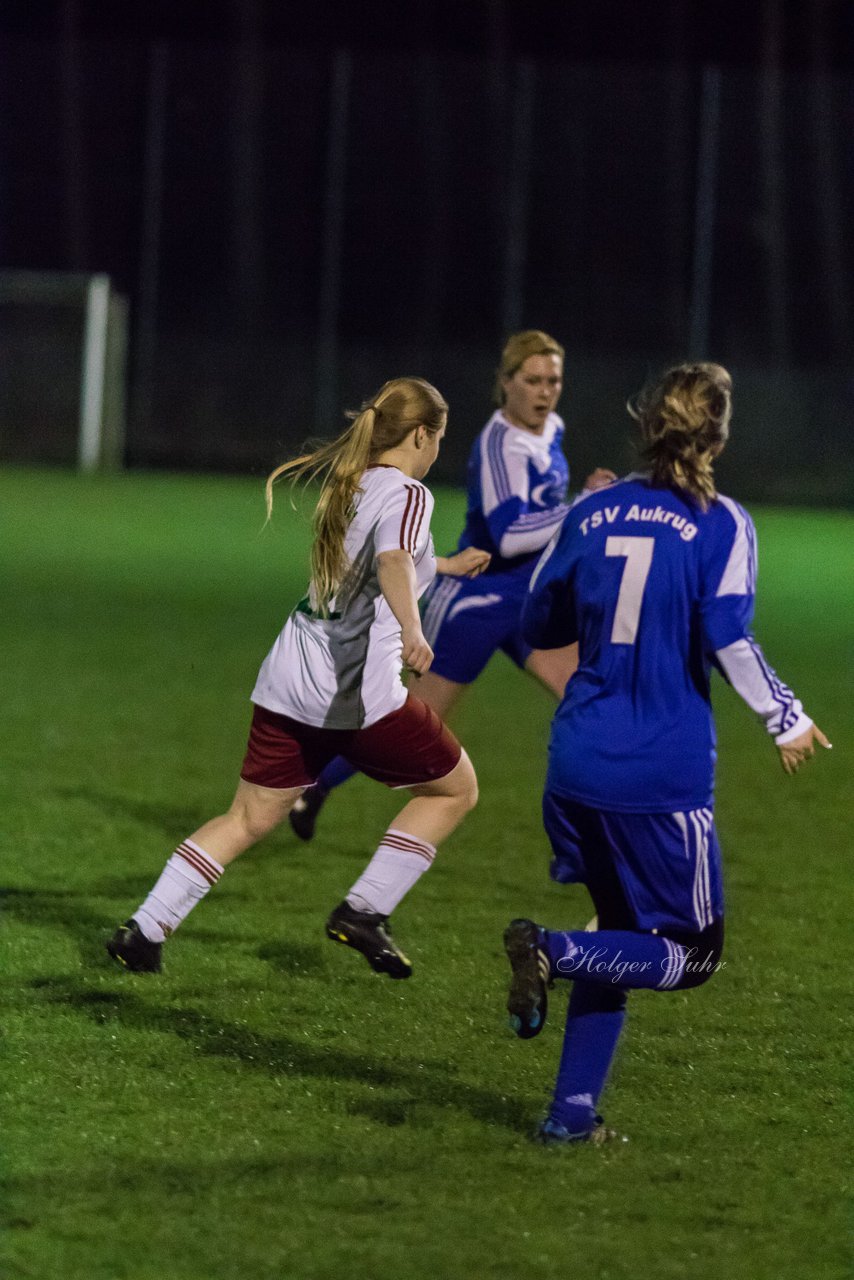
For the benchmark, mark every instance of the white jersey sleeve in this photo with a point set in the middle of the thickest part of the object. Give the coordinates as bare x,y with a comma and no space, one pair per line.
404,520
518,524
726,615
745,667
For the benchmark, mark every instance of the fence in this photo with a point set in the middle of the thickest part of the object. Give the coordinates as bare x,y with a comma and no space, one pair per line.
292,228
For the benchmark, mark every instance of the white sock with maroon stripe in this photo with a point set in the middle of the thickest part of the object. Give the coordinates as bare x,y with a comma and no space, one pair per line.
185,880
400,860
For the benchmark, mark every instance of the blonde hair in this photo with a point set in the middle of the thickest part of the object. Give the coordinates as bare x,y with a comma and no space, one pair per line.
531,342
382,423
684,424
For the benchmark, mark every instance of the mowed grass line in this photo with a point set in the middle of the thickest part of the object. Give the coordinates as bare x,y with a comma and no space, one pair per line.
268,1107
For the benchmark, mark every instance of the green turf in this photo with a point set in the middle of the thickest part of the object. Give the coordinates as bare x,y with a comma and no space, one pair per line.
268,1107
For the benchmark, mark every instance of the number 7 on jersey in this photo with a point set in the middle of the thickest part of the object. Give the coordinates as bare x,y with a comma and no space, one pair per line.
638,553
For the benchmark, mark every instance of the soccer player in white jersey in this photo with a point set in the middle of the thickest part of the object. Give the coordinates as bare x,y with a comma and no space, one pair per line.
517,496
331,685
655,578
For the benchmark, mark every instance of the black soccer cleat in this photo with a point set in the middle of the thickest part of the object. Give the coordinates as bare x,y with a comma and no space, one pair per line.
303,816
131,948
368,932
527,1000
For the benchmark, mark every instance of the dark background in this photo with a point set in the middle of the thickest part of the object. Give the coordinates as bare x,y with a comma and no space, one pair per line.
300,201
729,32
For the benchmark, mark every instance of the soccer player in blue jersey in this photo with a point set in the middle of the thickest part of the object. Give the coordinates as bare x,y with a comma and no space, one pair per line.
517,497
655,578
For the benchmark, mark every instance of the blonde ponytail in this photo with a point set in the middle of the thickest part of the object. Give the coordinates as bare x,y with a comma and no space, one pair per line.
381,424
684,424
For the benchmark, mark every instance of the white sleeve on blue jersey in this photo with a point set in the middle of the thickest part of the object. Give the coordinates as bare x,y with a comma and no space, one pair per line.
728,586
548,614
727,611
747,670
516,529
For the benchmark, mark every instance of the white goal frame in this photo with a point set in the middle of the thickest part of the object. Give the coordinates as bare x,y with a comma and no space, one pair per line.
102,401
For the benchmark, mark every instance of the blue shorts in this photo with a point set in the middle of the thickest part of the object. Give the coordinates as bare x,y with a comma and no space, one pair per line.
662,870
466,619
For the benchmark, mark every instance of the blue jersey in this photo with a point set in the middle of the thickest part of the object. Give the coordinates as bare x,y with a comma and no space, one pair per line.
516,486
651,587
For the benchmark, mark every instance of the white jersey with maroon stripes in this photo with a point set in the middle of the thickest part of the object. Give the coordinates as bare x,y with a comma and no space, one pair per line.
344,671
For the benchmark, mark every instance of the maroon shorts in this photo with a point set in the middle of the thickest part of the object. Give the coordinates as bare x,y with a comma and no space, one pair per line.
407,747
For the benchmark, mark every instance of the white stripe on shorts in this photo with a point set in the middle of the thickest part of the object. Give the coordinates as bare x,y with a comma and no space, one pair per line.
696,828
707,884
683,827
676,958
701,821
440,601
474,602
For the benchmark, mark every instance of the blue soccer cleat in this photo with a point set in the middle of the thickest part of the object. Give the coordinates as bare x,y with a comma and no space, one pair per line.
552,1133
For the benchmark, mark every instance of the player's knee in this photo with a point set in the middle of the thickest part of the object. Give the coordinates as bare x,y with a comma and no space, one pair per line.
257,820
702,957
460,785
696,976
468,792
470,796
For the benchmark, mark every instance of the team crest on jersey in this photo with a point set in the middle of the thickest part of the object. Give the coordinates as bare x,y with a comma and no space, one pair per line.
547,488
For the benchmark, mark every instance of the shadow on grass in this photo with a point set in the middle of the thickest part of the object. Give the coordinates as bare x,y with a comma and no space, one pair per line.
174,823
66,909
388,1111
296,959
424,1082
150,1179
71,910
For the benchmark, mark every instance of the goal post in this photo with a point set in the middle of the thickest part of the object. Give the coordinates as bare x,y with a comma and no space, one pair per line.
62,394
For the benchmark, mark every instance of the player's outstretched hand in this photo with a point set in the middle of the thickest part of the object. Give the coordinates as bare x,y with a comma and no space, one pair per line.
465,564
795,753
417,654
599,479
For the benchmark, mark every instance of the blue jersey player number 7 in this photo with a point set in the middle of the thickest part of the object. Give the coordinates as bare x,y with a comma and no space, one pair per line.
655,591
654,577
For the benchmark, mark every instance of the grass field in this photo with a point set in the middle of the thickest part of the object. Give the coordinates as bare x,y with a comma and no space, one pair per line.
269,1108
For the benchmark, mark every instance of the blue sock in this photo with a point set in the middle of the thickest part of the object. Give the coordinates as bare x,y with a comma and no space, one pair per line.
593,1025
616,958
336,772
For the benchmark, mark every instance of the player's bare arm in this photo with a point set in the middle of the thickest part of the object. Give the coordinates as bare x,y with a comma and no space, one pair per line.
468,563
396,575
